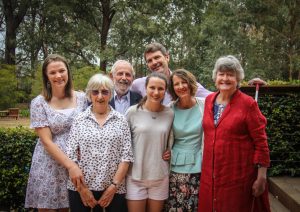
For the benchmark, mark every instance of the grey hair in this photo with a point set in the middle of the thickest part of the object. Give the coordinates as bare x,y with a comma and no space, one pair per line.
118,62
97,81
229,63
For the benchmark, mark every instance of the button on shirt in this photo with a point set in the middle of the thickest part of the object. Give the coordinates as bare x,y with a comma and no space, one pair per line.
123,103
101,149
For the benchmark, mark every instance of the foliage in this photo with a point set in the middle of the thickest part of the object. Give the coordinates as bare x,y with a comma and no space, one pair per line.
283,131
263,34
24,113
81,76
16,149
8,91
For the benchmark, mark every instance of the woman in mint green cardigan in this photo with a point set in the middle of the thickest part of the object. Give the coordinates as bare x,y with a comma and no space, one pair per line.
186,154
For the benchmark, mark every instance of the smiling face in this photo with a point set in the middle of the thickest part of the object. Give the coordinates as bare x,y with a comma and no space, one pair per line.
122,78
155,90
181,87
157,61
100,98
226,81
57,74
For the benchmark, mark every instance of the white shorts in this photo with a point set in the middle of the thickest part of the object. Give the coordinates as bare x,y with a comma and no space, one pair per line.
147,189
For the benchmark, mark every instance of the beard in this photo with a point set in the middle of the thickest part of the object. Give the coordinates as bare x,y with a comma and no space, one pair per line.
122,88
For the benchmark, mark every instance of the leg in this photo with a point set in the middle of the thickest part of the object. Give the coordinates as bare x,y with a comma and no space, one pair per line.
155,205
76,204
136,205
63,210
118,203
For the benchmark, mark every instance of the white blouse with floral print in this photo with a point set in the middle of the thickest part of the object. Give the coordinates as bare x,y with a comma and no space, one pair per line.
99,150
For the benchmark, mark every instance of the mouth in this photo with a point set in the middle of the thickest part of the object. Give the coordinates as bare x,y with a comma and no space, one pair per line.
157,67
100,101
124,83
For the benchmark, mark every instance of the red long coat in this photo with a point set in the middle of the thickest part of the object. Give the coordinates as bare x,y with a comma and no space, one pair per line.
231,150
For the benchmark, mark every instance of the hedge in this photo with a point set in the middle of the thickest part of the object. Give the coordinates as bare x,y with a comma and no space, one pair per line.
283,130
16,147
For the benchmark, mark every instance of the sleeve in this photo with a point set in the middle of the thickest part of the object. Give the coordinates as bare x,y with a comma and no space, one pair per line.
38,116
72,143
256,124
170,139
127,154
201,91
84,101
135,87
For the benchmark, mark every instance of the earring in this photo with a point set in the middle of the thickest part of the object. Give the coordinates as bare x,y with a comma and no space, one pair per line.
48,85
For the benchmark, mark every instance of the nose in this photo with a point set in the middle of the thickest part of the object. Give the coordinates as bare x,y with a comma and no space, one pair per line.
58,74
124,76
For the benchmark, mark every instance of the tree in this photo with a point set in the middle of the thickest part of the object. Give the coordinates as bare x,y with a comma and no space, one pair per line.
14,12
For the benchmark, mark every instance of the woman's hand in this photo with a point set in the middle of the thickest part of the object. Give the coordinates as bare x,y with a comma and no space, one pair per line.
107,196
259,186
166,155
76,176
87,197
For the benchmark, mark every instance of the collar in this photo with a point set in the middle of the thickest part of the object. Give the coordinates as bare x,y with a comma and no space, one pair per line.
126,96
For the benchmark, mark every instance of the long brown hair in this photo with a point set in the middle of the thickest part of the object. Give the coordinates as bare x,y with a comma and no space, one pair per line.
47,91
152,75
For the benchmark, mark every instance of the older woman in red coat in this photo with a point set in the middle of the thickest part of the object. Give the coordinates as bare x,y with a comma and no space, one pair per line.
236,153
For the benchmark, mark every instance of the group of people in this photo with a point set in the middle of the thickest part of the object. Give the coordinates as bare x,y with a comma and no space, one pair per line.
156,143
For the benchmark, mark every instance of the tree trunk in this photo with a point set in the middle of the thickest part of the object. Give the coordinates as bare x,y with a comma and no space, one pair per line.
10,44
12,21
107,16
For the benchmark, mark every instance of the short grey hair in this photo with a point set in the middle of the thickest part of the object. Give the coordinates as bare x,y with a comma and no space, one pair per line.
229,63
118,62
96,82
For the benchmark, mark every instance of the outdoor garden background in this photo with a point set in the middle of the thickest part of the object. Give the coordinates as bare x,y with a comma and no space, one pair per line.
92,34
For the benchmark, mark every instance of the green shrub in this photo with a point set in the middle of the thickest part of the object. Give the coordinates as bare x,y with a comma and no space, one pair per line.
283,131
16,148
24,113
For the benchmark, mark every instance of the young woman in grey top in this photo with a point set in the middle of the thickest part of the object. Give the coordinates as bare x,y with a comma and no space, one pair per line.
150,123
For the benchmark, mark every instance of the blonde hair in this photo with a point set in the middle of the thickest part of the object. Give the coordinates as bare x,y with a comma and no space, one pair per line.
97,81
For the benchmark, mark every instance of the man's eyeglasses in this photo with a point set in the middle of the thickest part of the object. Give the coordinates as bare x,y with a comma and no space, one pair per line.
103,92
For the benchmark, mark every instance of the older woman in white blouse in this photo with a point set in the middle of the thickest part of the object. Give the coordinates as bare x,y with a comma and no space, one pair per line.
100,143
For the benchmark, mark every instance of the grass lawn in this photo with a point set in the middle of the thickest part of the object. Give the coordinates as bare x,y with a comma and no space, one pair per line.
11,122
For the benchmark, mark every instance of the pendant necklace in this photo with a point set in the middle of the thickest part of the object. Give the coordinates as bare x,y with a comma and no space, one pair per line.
154,114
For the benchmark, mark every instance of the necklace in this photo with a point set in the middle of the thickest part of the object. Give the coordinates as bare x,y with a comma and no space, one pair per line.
154,114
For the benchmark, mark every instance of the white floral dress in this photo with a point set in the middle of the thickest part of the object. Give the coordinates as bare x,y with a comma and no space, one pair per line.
47,181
